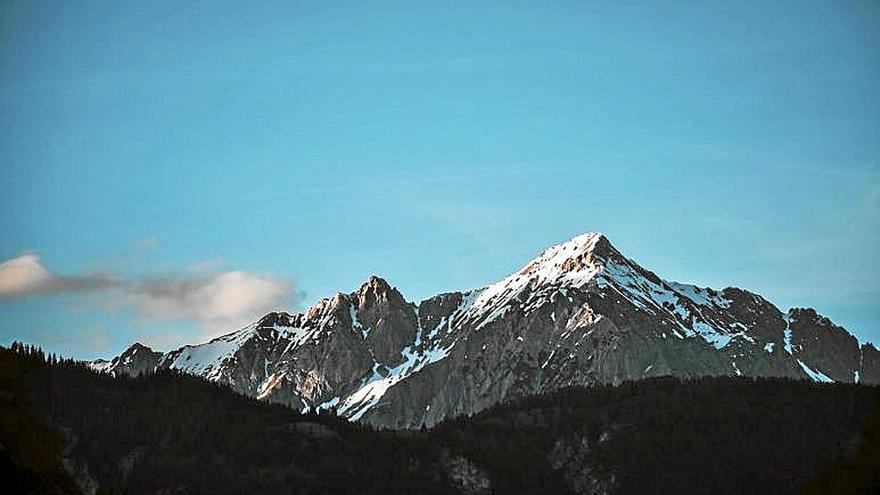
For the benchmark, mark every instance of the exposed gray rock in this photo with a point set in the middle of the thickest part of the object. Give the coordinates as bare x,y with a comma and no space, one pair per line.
869,364
827,347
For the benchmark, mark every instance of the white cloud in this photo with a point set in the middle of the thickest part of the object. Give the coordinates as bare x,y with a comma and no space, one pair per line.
218,302
25,275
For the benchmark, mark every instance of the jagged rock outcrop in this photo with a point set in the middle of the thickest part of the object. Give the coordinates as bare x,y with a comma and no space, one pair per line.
580,313
135,360
869,364
828,348
387,321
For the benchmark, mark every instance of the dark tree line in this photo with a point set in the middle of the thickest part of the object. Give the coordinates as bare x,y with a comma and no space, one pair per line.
175,433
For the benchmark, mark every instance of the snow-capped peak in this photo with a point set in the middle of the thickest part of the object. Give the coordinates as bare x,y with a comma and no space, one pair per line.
573,261
134,348
591,259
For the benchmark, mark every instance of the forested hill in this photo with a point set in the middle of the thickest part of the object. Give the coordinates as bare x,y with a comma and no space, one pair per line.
66,429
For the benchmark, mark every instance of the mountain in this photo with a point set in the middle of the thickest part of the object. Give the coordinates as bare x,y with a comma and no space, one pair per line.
580,313
67,429
135,360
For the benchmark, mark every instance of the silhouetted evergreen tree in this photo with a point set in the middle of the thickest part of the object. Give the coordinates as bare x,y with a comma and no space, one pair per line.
169,431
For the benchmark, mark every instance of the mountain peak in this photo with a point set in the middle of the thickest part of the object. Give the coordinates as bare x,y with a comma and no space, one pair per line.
573,263
588,239
137,359
589,243
578,259
274,318
377,289
375,282
137,346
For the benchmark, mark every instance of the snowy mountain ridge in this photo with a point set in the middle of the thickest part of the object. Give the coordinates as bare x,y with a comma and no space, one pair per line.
580,313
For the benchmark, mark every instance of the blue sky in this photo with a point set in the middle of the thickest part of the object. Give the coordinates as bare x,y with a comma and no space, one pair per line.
159,160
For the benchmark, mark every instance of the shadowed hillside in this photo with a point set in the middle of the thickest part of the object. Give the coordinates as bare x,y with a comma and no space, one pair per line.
66,429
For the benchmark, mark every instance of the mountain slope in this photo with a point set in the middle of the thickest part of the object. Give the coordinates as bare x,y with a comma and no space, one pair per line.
580,313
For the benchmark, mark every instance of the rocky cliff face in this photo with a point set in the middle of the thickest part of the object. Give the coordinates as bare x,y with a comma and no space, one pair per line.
135,360
580,313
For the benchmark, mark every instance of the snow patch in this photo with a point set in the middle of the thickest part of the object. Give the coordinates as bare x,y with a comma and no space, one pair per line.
787,335
701,296
327,405
497,313
674,299
817,376
207,359
101,366
548,359
355,323
568,265
375,386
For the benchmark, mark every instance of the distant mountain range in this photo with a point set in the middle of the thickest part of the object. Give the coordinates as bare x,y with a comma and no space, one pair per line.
580,313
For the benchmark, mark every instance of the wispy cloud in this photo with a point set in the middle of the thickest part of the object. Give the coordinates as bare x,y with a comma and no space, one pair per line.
216,301
25,275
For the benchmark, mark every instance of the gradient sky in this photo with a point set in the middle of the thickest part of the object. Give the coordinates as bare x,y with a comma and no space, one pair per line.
161,159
